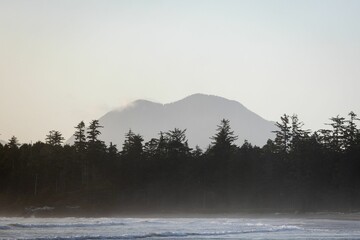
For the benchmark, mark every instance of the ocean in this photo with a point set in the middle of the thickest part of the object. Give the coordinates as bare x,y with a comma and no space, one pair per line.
276,227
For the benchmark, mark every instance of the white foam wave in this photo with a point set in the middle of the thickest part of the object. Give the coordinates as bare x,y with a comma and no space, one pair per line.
66,225
178,234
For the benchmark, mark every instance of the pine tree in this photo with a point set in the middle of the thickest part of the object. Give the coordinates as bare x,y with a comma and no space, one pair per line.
13,142
283,135
224,138
298,134
150,147
93,132
162,148
112,151
219,164
337,133
80,138
132,146
351,132
176,143
54,138
323,136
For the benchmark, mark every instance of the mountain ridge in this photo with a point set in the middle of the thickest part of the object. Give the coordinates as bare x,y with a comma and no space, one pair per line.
198,113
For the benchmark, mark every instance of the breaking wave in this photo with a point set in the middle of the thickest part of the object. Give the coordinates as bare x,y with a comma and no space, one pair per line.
65,225
177,234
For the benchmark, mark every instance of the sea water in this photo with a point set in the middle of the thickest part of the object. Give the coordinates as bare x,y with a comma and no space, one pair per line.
178,228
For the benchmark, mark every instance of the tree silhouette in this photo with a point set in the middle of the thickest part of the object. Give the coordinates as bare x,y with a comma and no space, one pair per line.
351,133
151,147
80,138
283,135
297,131
324,137
112,150
337,133
221,151
54,138
13,142
177,144
132,145
93,132
224,138
299,171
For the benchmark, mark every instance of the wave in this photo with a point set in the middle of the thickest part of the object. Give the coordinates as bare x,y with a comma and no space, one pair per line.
4,227
178,234
66,225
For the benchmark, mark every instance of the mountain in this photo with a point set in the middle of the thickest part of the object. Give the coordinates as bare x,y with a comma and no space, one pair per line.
199,114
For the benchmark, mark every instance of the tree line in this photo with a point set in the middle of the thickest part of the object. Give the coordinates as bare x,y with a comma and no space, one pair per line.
299,170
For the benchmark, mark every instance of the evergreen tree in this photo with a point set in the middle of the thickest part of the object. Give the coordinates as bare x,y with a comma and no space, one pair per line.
13,142
132,146
112,150
93,132
297,131
162,145
222,150
337,133
283,135
351,133
131,174
94,144
224,138
94,165
176,143
298,134
324,137
54,138
80,138
151,147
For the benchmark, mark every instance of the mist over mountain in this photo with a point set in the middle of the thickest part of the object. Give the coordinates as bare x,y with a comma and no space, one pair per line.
199,114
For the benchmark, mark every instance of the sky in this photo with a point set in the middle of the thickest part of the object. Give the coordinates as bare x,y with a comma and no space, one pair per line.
65,61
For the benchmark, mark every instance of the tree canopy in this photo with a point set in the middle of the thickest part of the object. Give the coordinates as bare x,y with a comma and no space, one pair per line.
297,171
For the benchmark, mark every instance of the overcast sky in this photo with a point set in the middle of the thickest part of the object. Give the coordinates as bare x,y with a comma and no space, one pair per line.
66,61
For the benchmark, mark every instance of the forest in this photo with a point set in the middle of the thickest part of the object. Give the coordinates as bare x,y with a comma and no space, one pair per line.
298,171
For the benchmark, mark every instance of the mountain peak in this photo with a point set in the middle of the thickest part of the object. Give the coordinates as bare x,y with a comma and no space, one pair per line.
143,101
201,96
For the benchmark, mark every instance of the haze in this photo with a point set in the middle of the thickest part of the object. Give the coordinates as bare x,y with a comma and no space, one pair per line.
66,61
